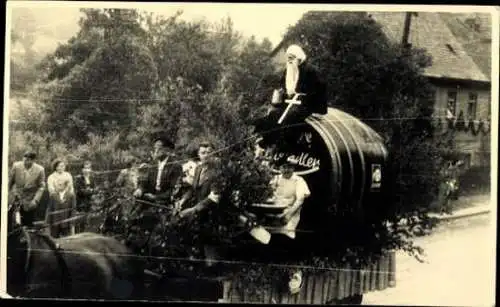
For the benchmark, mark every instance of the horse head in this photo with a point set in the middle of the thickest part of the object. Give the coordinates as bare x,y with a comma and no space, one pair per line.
30,260
18,259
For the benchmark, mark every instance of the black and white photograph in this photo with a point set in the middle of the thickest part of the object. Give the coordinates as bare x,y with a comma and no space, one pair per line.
264,153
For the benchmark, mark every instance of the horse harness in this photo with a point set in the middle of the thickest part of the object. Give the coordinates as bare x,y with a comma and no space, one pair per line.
57,250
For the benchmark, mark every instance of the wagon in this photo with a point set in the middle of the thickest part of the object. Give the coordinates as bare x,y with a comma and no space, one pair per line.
342,159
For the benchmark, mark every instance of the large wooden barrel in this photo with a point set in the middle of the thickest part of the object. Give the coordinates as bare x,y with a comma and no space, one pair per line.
341,158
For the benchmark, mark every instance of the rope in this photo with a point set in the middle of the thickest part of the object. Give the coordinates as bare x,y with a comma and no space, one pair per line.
202,260
248,138
77,217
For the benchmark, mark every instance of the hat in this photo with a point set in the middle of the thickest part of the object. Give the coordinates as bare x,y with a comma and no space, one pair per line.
297,51
30,154
165,141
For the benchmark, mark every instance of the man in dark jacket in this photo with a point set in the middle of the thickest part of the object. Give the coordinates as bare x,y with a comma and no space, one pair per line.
203,191
299,81
85,189
162,179
203,195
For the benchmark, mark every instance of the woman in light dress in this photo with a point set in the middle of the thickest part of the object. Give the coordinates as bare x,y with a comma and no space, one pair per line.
62,200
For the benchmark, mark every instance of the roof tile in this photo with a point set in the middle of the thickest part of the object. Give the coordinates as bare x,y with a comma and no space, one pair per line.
429,31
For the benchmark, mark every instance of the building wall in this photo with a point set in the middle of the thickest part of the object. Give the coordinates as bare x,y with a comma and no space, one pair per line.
483,100
473,147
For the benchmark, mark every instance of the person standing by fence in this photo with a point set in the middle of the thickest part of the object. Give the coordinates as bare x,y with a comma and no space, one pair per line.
85,188
128,182
128,178
26,186
62,200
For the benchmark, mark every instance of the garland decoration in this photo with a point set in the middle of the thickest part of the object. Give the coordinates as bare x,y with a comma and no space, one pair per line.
486,127
470,125
474,126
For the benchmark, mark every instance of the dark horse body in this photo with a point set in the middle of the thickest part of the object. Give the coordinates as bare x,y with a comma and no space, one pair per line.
83,266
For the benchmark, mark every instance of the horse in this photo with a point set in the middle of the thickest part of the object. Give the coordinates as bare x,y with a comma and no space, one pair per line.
82,266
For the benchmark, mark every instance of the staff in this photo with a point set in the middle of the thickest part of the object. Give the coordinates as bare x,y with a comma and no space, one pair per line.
291,102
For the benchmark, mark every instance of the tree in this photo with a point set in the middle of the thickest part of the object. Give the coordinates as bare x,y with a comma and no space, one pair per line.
184,49
195,60
96,82
23,55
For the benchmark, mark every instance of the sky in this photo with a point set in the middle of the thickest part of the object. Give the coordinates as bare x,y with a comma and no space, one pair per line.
56,24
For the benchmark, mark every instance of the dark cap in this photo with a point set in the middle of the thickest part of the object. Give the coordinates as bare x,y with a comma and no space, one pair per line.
165,141
30,154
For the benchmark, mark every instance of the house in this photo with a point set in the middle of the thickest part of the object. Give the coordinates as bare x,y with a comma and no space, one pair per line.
460,85
461,89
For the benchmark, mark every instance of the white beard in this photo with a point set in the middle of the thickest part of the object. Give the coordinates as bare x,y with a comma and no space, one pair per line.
292,76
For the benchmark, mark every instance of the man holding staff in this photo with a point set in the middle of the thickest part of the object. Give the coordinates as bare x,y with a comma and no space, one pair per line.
301,94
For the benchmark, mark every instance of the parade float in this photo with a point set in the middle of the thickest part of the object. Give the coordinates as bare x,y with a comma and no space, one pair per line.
343,162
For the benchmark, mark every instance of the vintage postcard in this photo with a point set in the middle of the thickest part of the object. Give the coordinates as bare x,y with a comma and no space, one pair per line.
250,153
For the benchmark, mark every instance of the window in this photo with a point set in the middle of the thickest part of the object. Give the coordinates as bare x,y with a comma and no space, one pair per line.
451,107
432,96
472,106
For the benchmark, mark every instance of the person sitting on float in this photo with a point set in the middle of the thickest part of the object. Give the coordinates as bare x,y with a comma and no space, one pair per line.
290,191
301,93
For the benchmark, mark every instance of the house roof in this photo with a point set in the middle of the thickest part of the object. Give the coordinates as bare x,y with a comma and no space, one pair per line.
476,41
429,31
